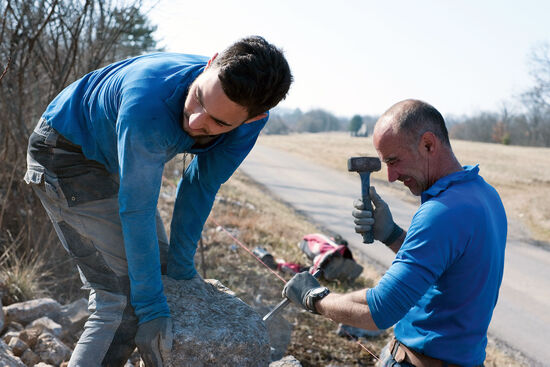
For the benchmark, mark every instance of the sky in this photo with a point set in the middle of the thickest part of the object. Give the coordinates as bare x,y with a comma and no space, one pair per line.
361,56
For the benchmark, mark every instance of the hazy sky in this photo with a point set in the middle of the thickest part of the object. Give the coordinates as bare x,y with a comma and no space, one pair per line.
361,56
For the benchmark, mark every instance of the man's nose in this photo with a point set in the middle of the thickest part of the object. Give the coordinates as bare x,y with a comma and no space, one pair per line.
392,174
197,121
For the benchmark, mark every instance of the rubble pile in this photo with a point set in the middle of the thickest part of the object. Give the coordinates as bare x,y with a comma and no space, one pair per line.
211,327
39,332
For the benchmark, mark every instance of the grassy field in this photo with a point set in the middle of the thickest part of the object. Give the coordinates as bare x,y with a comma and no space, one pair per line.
255,218
520,174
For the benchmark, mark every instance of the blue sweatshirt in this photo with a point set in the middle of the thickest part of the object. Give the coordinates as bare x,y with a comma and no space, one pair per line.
128,116
443,284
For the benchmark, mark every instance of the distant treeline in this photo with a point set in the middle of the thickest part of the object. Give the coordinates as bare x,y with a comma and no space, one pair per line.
490,127
524,121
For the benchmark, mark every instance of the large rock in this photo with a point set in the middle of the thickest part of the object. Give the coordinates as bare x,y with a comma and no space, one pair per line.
212,327
74,315
279,331
25,312
7,359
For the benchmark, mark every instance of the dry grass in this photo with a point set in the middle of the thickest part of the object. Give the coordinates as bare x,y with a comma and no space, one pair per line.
23,276
520,174
255,218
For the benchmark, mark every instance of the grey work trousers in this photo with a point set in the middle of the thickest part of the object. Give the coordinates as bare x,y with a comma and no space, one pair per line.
81,198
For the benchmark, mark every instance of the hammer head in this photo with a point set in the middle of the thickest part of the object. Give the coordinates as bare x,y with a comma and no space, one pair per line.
364,164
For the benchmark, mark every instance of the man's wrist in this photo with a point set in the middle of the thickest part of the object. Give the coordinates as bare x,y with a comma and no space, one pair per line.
394,235
315,295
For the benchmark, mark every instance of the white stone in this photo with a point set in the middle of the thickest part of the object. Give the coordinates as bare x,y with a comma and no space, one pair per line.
25,312
45,323
288,361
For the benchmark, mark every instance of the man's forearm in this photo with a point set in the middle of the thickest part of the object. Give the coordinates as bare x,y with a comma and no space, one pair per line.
350,309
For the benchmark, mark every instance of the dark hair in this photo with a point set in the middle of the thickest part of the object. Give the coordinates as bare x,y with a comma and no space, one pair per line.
417,117
254,74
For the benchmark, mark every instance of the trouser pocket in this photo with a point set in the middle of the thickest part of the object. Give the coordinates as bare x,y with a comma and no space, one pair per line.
81,180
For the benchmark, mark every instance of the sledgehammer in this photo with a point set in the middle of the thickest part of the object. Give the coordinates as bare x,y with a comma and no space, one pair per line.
364,166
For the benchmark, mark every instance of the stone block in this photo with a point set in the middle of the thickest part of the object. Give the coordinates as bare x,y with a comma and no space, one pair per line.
47,324
213,327
288,361
74,315
279,331
51,350
30,336
17,346
7,359
7,337
30,358
28,311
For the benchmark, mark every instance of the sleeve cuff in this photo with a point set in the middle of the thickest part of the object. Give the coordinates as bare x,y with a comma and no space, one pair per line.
394,235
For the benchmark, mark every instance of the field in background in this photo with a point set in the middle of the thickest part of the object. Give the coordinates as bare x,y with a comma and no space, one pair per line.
521,175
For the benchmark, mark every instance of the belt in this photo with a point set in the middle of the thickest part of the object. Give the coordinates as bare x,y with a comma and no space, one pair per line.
401,353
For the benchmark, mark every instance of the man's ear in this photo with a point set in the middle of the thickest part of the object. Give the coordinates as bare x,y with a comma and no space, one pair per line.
428,143
211,59
256,118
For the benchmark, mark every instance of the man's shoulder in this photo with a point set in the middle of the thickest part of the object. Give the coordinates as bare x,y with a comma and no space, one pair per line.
162,68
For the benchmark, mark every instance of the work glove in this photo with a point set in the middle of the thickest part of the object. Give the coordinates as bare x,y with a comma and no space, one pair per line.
384,228
154,341
303,289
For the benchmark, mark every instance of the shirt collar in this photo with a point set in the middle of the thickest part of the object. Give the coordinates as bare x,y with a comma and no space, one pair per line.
469,173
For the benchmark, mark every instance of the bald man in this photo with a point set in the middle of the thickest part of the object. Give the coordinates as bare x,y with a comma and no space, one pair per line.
443,284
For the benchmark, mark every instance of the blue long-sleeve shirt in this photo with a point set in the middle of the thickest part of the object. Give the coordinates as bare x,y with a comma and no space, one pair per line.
128,116
443,285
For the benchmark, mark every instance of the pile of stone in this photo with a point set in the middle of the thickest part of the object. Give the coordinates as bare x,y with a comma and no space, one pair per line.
39,332
211,327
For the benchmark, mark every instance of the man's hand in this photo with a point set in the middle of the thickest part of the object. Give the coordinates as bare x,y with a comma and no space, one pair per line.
383,226
303,289
154,341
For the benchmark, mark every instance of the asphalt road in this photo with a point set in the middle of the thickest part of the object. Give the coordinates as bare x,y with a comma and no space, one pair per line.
521,319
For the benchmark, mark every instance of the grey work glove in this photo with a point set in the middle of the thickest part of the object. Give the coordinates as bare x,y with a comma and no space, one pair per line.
154,341
299,289
384,228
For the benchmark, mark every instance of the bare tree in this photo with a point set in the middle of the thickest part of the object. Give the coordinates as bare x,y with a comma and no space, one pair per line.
536,100
44,46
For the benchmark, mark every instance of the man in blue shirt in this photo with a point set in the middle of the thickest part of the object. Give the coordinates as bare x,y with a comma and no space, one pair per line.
96,158
442,287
